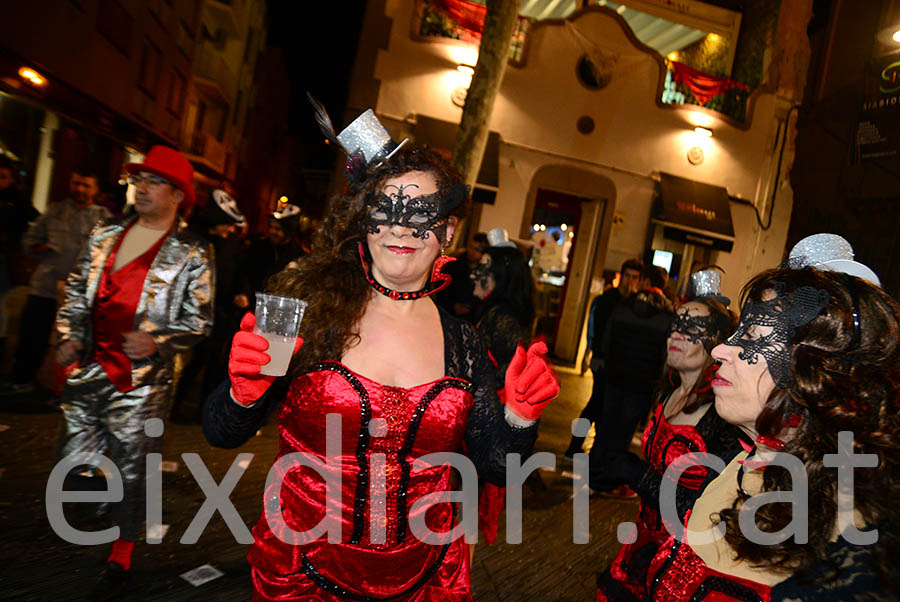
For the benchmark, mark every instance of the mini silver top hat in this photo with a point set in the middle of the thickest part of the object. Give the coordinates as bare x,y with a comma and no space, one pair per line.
708,283
366,136
364,139
228,205
499,237
830,252
286,212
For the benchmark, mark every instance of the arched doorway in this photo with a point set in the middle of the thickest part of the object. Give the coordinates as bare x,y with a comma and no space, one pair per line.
572,209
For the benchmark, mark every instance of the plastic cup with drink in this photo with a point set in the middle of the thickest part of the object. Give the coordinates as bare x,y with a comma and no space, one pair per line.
278,322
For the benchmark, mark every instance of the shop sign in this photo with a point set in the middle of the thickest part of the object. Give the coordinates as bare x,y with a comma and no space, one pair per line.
878,125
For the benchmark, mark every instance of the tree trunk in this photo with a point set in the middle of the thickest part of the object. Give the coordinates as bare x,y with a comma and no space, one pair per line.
493,54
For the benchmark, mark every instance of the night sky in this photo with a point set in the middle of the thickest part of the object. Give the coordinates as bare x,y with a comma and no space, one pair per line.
319,40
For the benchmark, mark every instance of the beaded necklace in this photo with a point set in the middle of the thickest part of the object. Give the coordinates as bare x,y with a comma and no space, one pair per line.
436,275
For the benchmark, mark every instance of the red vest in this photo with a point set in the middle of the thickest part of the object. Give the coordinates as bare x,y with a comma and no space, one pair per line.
118,295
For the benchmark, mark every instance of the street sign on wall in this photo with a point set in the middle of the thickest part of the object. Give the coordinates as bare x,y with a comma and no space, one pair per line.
878,125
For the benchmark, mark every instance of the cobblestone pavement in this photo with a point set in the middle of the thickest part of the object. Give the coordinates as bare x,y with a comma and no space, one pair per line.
36,564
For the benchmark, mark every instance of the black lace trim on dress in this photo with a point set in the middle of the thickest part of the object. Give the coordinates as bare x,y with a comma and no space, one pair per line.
657,577
721,440
404,452
730,588
333,588
365,416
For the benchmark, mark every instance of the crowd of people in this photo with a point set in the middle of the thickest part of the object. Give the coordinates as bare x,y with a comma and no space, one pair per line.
414,363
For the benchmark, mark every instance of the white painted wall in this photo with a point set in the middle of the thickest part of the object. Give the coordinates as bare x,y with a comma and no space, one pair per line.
634,138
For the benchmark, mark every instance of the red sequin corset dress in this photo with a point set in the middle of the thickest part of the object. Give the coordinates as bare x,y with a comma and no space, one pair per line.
373,560
663,443
678,574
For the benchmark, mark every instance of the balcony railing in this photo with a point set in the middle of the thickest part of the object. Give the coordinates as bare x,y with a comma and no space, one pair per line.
732,102
219,14
212,67
207,147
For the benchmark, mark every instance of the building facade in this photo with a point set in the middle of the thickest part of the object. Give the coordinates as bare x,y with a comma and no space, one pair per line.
580,150
97,82
847,171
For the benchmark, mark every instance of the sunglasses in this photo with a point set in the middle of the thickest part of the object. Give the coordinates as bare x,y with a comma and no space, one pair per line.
150,180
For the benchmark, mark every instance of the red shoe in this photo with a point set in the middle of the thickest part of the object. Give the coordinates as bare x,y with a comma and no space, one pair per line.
622,492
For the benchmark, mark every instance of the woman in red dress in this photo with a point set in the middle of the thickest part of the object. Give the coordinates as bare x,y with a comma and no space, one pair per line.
684,422
406,378
812,371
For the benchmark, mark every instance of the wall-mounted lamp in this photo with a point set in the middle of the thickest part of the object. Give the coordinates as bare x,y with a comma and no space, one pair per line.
889,36
703,132
458,96
32,76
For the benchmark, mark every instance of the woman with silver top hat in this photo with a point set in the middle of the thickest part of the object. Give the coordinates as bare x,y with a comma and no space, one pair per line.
406,378
685,421
812,372
504,283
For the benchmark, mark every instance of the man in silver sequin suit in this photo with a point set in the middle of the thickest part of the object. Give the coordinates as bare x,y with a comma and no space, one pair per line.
140,292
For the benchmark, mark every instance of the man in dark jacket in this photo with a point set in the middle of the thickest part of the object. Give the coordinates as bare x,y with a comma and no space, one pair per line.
601,309
15,214
270,254
209,358
634,345
459,298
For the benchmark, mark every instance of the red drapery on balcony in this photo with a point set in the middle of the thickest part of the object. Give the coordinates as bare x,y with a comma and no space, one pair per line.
702,85
469,16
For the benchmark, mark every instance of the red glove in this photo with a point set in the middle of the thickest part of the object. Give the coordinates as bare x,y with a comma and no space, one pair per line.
247,357
530,383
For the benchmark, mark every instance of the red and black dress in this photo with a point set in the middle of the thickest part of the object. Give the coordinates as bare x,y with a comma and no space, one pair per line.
663,443
387,561
677,573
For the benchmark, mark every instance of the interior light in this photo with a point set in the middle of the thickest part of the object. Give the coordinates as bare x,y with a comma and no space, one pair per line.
672,56
465,68
283,200
543,227
703,131
621,9
571,233
896,36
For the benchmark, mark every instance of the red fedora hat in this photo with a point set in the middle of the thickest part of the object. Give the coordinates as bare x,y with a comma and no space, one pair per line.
168,163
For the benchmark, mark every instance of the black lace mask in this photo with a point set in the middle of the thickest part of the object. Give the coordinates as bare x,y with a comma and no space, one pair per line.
423,214
783,314
694,329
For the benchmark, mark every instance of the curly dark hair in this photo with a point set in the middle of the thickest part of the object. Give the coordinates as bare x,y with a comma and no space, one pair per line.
513,284
723,324
330,279
839,382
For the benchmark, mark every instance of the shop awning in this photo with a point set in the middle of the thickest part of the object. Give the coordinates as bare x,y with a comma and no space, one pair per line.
694,212
440,135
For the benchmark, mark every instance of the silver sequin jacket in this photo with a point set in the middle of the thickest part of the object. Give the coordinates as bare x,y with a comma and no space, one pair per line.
176,305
